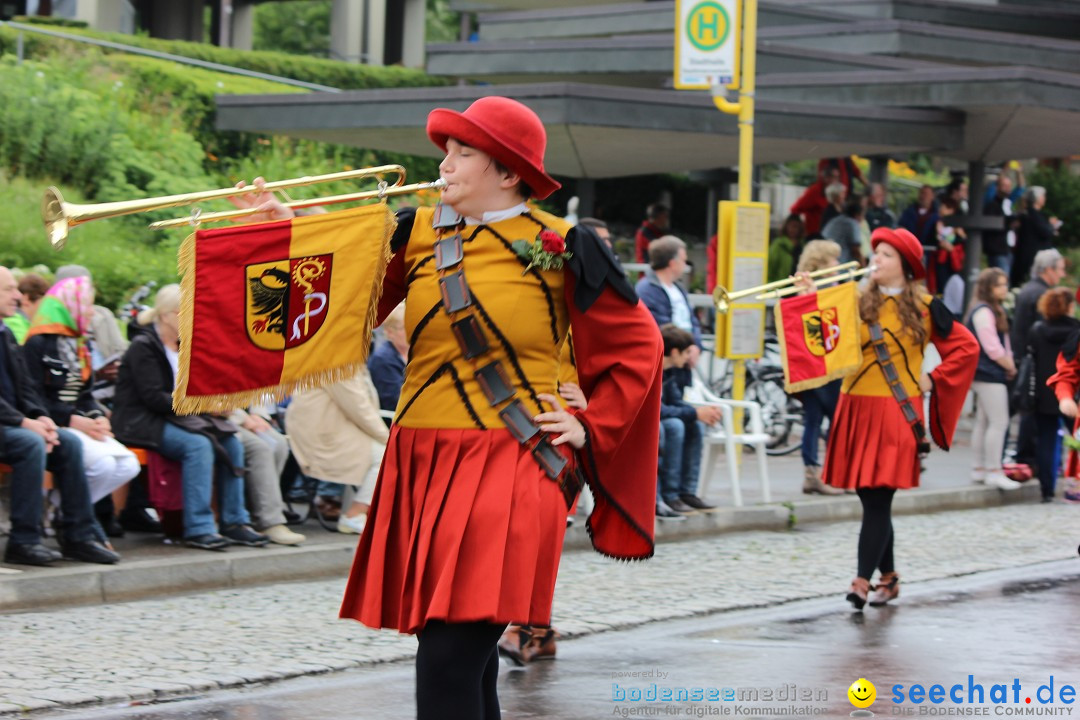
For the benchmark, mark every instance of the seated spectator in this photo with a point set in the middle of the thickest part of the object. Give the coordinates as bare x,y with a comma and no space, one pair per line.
599,226
338,437
204,445
265,453
387,363
30,442
57,355
32,287
846,231
682,431
661,293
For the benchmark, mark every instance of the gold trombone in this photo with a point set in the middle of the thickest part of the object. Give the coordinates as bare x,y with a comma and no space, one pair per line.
60,216
781,288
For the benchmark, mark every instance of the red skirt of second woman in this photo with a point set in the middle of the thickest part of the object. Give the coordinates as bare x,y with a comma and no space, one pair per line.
871,445
464,526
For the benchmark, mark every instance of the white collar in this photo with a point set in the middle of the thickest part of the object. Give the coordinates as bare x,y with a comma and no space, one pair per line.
890,291
495,216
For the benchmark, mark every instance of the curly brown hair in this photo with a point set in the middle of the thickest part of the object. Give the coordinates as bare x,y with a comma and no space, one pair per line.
909,306
1055,303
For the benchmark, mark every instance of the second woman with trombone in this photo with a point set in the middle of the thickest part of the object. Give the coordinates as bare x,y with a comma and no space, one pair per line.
879,433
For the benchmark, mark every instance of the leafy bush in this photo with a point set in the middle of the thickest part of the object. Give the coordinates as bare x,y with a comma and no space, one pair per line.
347,76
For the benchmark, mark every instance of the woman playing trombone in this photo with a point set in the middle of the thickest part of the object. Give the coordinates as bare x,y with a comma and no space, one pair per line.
879,434
466,526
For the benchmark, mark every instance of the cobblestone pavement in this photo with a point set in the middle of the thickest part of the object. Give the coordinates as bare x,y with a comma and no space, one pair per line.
145,649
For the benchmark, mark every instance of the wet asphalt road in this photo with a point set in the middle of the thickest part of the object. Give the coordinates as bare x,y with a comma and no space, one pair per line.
1020,624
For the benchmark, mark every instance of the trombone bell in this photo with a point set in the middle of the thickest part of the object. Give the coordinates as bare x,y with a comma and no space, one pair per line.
55,218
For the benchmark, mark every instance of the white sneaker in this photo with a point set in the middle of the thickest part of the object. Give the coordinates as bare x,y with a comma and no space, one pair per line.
281,535
978,475
996,478
351,525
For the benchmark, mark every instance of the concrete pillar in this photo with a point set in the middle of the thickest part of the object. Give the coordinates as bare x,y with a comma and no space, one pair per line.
243,25
413,34
586,193
973,247
224,23
375,45
104,15
177,20
347,30
879,169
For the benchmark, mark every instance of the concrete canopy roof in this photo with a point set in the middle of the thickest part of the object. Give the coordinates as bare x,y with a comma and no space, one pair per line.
1010,112
597,131
632,60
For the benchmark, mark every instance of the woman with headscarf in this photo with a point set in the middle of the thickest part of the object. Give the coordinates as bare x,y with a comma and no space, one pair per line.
58,353
206,446
466,527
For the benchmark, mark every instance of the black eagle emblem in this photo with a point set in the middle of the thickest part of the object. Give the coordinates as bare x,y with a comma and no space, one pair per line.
270,299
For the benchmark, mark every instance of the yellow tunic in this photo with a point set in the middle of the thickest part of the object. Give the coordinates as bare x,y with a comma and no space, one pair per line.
906,355
523,317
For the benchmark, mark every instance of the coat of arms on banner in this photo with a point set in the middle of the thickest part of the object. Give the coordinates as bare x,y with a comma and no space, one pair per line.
821,331
287,300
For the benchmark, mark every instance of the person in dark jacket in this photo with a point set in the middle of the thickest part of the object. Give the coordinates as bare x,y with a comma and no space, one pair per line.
387,364
681,432
995,243
1047,271
30,442
143,417
58,355
1046,339
1037,232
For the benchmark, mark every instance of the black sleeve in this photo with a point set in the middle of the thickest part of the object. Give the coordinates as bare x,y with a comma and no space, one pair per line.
1072,344
405,219
147,377
942,317
594,265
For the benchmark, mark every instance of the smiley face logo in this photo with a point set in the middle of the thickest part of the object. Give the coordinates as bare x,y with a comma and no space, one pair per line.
862,693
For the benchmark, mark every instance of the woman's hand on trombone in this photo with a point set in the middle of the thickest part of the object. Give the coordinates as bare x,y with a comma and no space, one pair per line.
269,207
804,283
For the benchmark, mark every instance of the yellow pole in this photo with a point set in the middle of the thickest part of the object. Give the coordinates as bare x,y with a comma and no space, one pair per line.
744,108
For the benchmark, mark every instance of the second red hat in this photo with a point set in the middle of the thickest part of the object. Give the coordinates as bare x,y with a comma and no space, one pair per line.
906,244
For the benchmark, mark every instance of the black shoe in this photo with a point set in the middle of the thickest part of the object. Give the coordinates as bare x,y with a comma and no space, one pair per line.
680,507
90,551
36,554
209,541
111,527
139,521
666,513
697,503
293,518
244,535
1048,499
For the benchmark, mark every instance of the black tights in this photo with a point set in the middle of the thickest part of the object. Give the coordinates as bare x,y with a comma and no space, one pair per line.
457,667
876,533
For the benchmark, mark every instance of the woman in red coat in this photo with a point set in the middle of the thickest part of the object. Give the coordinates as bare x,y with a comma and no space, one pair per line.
466,525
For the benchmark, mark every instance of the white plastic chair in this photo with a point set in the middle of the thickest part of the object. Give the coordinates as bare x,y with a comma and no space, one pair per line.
725,435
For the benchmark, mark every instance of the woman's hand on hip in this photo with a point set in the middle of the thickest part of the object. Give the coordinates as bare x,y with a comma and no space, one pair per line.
559,421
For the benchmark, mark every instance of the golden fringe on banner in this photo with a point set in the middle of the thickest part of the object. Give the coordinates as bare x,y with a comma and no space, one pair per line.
816,382
225,403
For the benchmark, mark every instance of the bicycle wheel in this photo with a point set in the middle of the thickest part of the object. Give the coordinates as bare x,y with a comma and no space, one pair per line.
781,414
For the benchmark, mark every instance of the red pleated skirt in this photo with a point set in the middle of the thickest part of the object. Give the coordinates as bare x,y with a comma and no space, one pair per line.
464,526
871,445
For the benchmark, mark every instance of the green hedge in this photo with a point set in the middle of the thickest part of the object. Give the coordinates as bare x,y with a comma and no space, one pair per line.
347,76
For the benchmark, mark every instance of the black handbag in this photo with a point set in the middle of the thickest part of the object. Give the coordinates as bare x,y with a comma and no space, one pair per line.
1022,396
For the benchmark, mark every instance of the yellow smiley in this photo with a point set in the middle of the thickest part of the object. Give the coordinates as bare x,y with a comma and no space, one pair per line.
862,693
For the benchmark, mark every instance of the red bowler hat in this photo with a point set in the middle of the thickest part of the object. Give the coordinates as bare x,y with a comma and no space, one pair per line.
905,243
504,129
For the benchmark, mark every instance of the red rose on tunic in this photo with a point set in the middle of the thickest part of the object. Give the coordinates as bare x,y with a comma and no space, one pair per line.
552,241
